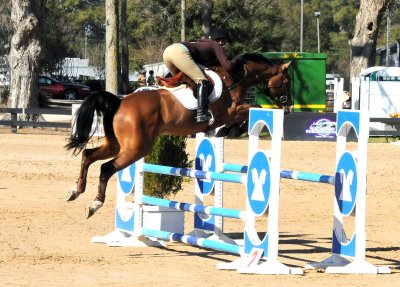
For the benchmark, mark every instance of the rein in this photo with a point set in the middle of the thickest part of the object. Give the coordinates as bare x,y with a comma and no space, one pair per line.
235,84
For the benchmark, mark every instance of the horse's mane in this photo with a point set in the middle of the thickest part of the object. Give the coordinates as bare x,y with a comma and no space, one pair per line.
256,58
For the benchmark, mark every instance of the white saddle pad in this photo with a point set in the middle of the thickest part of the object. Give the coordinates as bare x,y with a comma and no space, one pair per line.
186,97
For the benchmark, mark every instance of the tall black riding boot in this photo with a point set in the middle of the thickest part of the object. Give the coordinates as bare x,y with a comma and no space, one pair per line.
202,101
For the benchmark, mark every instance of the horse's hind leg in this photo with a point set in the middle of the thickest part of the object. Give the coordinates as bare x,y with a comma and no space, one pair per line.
89,156
108,169
121,161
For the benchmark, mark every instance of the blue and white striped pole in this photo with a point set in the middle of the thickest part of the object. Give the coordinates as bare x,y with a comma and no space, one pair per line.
195,208
194,173
299,175
193,240
308,176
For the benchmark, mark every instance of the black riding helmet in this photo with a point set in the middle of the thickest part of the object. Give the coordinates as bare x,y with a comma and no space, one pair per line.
219,34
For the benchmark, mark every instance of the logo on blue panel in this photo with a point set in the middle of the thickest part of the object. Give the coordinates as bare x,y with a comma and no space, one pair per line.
259,183
205,161
126,178
346,184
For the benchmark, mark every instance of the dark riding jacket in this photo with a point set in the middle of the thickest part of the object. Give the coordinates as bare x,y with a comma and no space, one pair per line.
210,53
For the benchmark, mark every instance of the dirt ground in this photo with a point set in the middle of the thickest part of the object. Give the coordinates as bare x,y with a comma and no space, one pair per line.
45,241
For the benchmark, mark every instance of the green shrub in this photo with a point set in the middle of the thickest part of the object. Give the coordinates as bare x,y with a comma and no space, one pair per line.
169,151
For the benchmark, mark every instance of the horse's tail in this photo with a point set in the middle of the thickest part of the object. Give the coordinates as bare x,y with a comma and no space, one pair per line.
103,103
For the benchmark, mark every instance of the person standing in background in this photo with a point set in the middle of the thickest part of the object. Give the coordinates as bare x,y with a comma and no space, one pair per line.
150,80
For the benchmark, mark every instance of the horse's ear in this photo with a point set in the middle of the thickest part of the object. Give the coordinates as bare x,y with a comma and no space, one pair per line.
286,65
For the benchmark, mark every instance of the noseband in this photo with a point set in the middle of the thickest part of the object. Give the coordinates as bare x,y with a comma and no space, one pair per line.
283,98
267,89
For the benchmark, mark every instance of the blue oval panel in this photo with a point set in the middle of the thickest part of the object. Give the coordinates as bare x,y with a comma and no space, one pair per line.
346,184
205,161
259,183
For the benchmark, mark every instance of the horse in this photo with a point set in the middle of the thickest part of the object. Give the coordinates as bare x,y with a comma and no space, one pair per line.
132,124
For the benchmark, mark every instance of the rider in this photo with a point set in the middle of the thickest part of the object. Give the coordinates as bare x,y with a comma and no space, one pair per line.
185,56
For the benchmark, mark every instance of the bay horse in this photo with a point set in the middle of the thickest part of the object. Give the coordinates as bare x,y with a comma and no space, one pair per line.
132,124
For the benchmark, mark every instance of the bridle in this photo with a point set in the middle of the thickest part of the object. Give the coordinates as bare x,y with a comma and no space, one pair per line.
267,88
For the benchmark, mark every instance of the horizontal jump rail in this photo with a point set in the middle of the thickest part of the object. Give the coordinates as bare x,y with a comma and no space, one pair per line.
307,176
193,240
175,171
195,208
299,175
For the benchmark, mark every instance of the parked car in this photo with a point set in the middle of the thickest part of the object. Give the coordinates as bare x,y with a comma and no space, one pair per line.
63,90
4,81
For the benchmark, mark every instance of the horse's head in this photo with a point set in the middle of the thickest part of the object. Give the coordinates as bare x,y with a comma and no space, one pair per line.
272,78
278,88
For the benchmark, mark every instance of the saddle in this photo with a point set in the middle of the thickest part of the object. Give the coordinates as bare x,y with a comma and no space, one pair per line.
180,79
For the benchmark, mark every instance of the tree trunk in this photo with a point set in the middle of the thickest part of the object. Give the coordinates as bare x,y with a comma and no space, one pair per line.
25,52
363,43
124,49
112,46
183,20
208,6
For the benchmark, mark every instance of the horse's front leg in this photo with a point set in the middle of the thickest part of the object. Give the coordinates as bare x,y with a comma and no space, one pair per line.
242,113
237,114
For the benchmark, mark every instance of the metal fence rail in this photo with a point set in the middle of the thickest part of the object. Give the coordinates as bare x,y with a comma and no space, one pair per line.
394,122
15,123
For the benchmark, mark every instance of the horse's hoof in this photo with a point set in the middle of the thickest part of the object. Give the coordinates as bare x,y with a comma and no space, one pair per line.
71,195
89,211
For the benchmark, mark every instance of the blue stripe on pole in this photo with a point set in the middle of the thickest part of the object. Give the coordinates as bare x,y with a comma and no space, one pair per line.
192,240
299,175
306,176
236,178
234,167
218,211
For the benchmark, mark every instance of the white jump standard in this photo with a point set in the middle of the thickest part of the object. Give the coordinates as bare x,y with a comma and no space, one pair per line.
261,178
348,254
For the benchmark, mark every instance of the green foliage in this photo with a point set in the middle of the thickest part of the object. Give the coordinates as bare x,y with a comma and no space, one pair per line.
255,25
252,24
67,23
5,24
168,151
